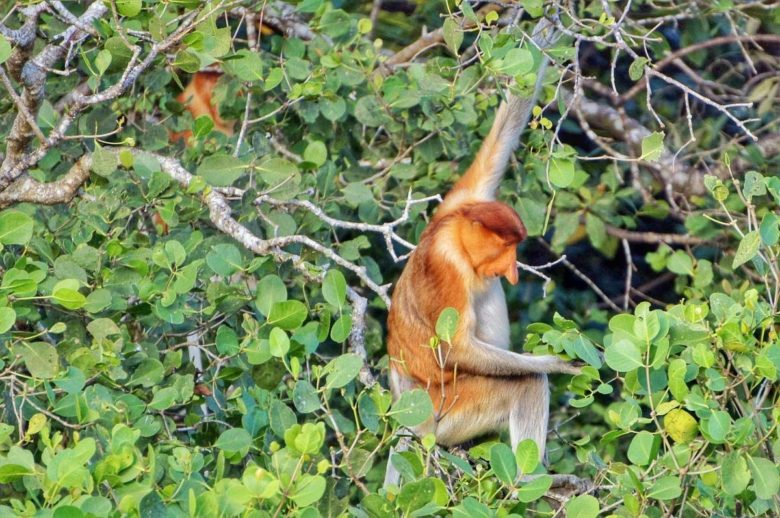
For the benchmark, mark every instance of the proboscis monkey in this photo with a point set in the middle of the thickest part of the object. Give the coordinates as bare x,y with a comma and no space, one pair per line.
197,96
476,383
197,99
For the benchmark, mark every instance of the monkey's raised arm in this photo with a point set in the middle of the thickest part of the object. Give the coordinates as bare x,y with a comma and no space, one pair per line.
483,359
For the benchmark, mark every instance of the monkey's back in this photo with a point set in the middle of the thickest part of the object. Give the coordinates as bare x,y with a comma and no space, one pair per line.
428,285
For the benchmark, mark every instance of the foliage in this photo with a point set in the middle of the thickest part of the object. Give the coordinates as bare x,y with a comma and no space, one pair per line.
154,363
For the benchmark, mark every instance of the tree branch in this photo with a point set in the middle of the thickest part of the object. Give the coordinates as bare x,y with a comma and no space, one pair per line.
60,191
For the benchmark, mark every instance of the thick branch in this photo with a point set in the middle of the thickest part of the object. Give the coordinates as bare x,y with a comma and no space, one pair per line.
427,40
619,126
60,191
33,77
15,165
22,38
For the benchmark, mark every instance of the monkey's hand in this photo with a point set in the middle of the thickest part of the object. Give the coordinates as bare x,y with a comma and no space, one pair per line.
484,359
572,367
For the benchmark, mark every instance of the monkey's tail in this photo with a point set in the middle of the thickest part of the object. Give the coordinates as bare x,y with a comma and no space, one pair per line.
485,173
481,180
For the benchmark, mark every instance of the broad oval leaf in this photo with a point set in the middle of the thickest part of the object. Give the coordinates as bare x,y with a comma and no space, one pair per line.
235,439
413,408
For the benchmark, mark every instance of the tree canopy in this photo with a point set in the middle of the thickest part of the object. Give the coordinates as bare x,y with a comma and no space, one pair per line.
195,326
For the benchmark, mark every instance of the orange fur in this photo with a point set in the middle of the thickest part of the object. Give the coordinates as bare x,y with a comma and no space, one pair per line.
476,384
197,98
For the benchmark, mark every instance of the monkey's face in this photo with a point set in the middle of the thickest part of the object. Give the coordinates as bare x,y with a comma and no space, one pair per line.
490,233
504,264
490,255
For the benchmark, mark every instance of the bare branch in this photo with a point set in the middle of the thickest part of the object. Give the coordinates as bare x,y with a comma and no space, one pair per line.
655,237
61,191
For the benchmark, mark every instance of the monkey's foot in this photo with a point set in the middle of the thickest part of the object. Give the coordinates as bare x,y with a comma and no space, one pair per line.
570,484
459,452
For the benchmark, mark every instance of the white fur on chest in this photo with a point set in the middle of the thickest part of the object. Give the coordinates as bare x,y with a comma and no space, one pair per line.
492,318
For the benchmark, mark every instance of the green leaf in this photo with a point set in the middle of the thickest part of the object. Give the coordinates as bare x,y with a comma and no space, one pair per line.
535,8
316,152
310,438
561,172
225,259
342,370
129,8
188,61
335,23
245,65
305,397
221,169
535,489
11,472
516,62
637,68
164,398
102,61
270,290
334,288
308,489
770,229
148,373
332,109
5,49
235,439
644,448
341,328
413,408
288,314
623,356
527,456
16,228
597,231
676,372
680,263
227,341
766,482
447,324
754,184
280,175
583,506
65,293
665,488
279,342
202,126
652,146
748,248
502,462
585,350
453,36
103,162
40,358
98,300
7,319
734,473
415,495
101,328
717,426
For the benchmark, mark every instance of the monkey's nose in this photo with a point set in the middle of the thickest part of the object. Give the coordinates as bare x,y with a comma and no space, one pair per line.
511,274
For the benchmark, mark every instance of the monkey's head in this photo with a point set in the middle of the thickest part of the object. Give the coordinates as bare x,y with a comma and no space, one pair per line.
490,233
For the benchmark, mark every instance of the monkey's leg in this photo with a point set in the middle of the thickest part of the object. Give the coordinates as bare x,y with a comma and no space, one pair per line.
529,415
476,405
